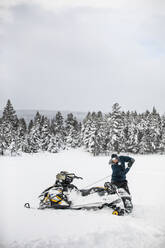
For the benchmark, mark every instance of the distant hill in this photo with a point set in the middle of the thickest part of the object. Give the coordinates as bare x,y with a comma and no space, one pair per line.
29,114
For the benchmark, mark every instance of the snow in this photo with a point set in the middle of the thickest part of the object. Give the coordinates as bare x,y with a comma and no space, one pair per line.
23,178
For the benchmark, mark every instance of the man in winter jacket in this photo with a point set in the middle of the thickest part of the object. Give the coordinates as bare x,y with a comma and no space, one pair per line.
119,171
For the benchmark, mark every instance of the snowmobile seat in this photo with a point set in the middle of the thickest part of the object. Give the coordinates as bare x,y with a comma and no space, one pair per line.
85,192
99,190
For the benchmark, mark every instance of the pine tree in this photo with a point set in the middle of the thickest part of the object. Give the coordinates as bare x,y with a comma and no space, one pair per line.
30,125
33,140
59,123
93,143
9,115
53,146
116,128
155,130
91,133
130,133
72,131
57,129
22,132
162,137
44,134
145,144
2,138
85,133
9,130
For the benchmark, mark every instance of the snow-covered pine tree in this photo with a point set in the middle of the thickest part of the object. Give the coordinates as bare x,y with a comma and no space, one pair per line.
107,128
72,131
85,132
30,125
145,144
2,138
69,122
155,130
28,143
9,130
116,129
33,141
150,130
126,131
91,133
57,129
22,132
9,115
100,134
54,145
79,137
58,126
162,141
22,126
88,117
93,145
100,138
45,136
84,129
130,133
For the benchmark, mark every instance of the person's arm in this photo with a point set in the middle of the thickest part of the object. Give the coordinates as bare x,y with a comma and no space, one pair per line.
126,170
130,162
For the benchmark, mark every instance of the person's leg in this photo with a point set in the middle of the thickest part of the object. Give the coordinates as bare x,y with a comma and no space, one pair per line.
127,204
126,199
124,185
117,184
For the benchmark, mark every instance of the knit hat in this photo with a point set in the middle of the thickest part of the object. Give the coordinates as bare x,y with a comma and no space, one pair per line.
114,156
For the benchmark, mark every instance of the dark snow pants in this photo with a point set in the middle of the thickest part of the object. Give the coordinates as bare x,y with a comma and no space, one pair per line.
123,184
126,200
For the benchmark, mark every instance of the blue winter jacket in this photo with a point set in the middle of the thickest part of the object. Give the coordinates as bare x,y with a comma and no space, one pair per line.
119,170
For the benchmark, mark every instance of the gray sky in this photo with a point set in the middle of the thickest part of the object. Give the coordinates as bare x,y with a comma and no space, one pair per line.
82,55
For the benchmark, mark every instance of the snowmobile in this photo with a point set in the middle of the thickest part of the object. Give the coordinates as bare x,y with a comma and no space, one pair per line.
65,195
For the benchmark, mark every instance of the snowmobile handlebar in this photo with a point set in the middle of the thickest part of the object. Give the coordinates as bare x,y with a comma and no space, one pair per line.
74,176
78,177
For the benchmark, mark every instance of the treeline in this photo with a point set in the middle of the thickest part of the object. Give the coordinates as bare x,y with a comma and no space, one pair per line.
98,133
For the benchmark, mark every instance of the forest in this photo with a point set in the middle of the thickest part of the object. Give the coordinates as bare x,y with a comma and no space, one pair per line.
99,133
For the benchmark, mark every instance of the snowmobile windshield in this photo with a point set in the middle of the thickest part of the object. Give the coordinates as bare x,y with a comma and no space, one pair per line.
60,176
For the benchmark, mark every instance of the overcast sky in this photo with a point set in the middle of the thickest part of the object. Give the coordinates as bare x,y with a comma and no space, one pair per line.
82,55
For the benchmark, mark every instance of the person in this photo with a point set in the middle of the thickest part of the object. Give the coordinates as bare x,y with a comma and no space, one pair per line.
119,171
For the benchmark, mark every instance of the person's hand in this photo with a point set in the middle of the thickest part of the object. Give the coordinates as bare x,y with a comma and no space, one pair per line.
130,163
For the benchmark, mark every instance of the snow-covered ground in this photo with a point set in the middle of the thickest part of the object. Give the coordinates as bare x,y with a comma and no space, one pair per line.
23,178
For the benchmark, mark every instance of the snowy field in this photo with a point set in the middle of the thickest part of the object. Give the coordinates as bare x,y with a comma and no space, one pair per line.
23,178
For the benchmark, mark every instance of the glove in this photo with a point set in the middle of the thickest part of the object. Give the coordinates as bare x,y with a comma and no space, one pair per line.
130,163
